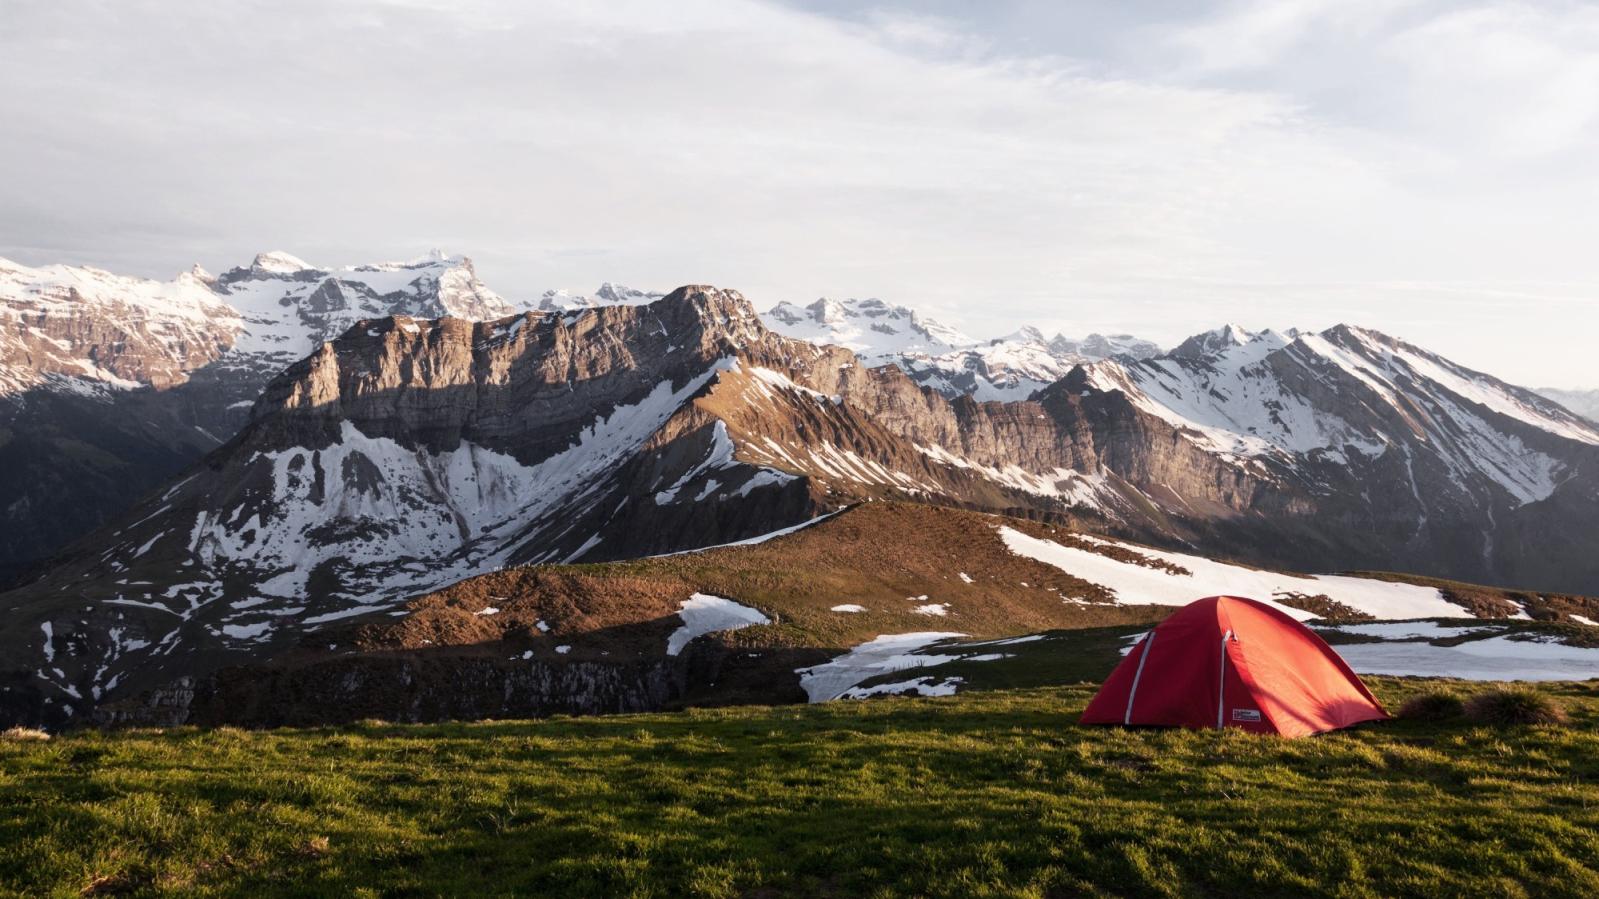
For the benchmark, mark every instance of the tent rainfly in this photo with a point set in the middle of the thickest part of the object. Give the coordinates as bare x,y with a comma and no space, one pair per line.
1226,661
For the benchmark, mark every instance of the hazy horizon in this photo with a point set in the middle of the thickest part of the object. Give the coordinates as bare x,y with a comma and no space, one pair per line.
1421,168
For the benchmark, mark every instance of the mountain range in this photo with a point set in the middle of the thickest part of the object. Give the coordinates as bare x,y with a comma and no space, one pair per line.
1012,367
1582,402
110,385
379,432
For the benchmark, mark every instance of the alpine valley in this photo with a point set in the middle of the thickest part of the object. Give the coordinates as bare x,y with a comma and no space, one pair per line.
292,494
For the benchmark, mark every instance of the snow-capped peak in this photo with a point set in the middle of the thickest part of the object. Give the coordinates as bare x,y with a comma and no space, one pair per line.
1242,394
617,294
277,262
1212,342
607,294
289,306
1011,367
1025,334
876,330
1104,346
829,312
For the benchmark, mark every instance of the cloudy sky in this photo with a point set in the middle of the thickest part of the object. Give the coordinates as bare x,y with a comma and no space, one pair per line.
1160,167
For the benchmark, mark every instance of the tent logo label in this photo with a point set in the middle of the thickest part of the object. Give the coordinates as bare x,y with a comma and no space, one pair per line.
1246,714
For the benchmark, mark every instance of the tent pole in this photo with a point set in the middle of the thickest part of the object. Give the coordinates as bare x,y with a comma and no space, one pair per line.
1144,657
1221,682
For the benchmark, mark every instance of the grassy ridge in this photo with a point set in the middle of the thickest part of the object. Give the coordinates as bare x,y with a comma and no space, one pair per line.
986,794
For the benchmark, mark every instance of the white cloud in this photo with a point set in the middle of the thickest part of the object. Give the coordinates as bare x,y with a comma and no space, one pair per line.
1509,79
1258,34
1279,164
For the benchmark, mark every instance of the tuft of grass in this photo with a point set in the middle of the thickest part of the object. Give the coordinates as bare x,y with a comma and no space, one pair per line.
1433,705
1508,706
23,735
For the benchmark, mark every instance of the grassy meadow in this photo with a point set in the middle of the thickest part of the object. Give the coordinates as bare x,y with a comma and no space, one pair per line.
983,794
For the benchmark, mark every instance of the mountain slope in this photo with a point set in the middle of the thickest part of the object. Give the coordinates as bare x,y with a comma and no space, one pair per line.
1441,467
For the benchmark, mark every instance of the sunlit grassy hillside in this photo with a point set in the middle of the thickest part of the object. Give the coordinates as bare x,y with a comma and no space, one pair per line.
983,794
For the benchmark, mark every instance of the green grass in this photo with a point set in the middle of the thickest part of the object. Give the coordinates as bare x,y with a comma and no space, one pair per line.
988,794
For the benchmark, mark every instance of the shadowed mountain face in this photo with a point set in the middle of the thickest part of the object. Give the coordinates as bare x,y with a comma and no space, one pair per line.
410,453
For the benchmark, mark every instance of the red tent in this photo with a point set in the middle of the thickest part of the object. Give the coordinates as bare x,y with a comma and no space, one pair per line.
1232,662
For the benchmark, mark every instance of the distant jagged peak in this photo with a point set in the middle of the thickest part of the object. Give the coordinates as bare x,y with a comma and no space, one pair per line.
725,297
1213,342
280,265
60,287
1583,402
609,293
829,311
1104,346
277,262
872,327
612,292
1008,367
1024,334
435,258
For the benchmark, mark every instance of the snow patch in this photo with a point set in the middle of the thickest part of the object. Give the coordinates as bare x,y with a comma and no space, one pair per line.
705,614
754,541
920,686
1495,658
247,631
1138,584
889,652
1411,630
